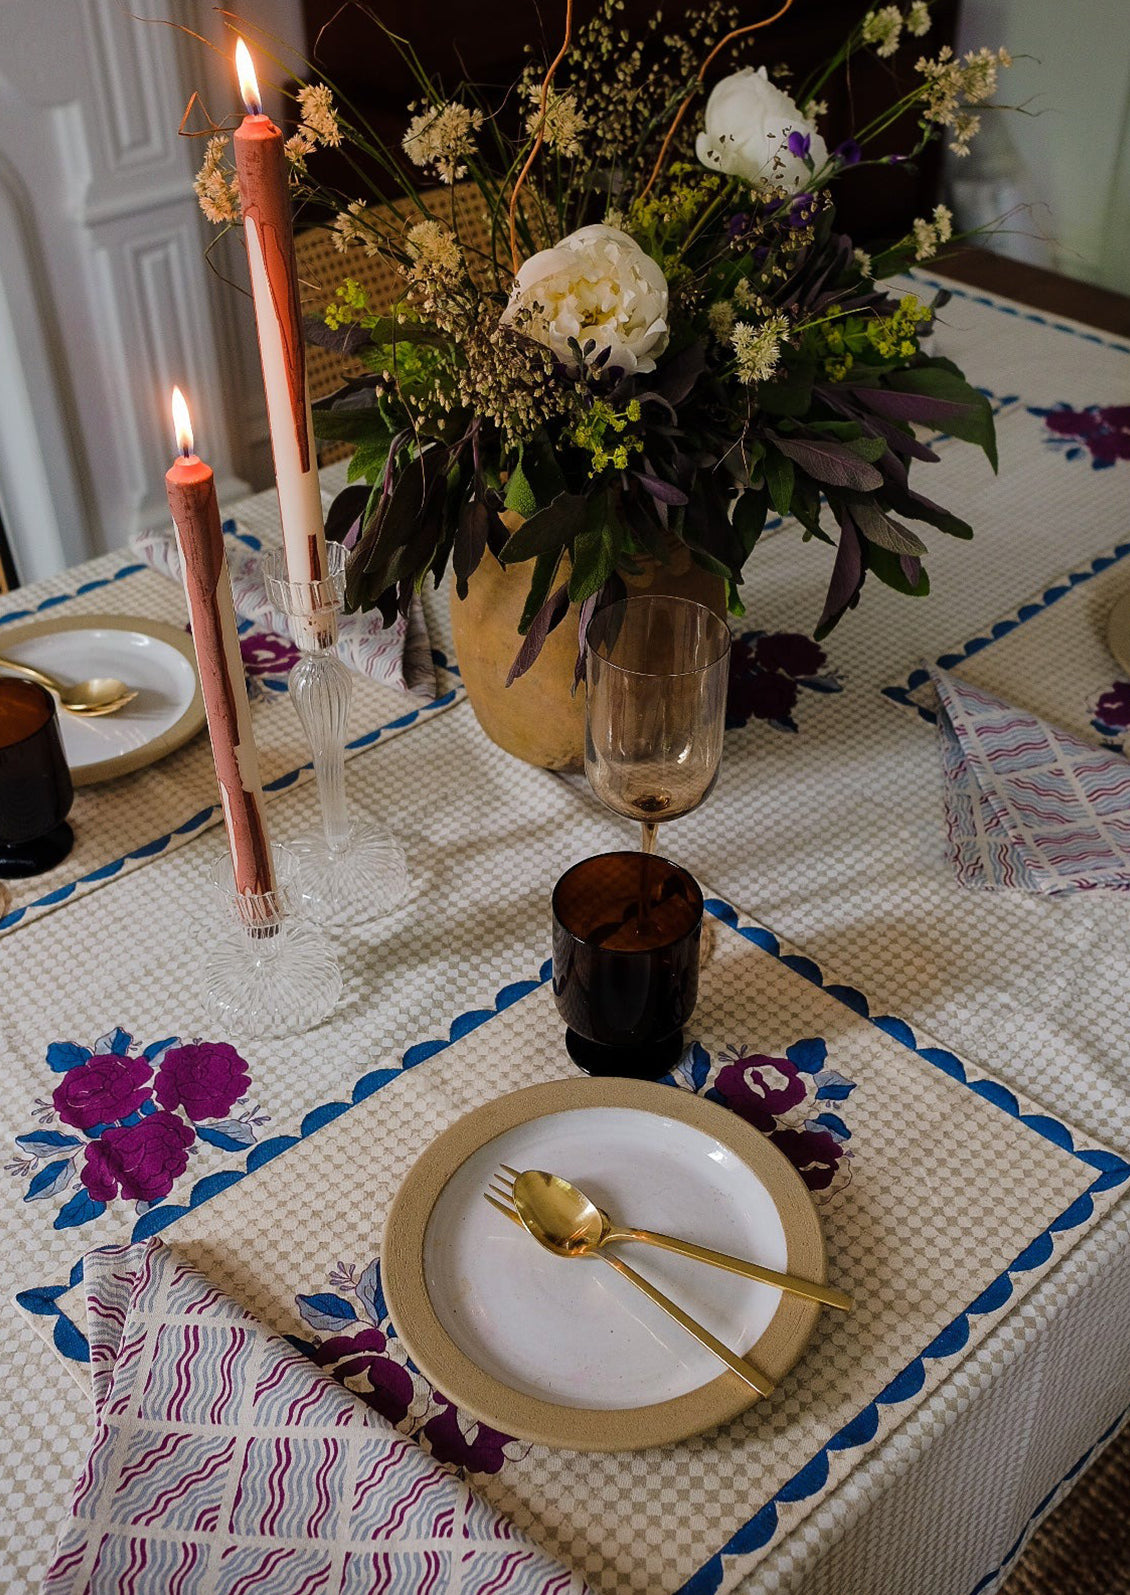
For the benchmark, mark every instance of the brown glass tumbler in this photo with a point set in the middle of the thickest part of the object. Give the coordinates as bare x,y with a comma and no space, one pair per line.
626,929
35,784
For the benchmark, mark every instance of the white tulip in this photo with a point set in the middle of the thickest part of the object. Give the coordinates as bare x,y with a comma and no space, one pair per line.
596,286
746,133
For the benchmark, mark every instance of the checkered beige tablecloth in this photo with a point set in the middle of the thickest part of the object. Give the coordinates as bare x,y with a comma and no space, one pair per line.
830,833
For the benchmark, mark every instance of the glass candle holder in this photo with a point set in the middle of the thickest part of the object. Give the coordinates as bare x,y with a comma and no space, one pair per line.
626,932
355,871
266,972
35,782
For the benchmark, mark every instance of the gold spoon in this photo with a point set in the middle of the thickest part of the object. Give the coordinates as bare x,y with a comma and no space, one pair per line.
99,695
580,1226
542,1226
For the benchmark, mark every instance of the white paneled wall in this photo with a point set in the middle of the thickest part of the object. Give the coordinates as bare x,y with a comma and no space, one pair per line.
106,298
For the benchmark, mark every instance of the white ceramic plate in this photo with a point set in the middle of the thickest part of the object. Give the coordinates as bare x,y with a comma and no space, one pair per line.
149,655
566,1350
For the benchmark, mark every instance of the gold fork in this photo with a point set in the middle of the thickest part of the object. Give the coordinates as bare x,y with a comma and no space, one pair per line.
513,1201
589,1227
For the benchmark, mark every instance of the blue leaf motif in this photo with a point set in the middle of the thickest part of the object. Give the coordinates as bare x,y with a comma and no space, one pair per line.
820,683
370,1293
117,1041
831,1086
829,1121
55,1177
64,1055
808,1056
325,1312
79,1210
156,1050
230,1135
41,1143
699,1062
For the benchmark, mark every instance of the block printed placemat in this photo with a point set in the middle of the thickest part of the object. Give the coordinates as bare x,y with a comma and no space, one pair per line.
943,1197
1049,656
124,823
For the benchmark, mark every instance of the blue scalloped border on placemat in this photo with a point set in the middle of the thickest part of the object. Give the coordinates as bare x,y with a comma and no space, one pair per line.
196,822
902,693
1024,313
1110,1171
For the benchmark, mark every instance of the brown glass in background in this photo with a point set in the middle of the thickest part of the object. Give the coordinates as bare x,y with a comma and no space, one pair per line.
35,782
626,929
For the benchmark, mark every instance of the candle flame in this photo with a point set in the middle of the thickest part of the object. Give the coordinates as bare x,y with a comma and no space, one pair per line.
248,82
182,423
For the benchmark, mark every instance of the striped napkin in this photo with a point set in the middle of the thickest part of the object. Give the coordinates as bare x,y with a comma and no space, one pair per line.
1027,805
225,1462
399,655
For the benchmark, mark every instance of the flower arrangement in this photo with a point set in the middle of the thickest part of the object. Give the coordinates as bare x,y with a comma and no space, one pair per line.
654,333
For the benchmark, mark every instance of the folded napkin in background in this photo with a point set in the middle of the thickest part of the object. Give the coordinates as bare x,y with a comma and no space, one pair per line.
223,1461
399,655
1028,805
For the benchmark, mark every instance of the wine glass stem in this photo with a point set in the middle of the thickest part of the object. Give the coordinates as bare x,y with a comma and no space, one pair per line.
649,830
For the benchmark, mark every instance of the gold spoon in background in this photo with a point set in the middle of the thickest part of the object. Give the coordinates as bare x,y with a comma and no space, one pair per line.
100,695
528,1215
576,1227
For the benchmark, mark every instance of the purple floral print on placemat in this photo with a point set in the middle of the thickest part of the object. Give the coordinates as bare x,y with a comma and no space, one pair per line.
768,671
362,1351
138,1114
792,1099
1101,430
1111,715
267,659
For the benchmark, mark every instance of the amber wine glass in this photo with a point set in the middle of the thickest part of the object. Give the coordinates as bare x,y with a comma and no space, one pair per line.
655,675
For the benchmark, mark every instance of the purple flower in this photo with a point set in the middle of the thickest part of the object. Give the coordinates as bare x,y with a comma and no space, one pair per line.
798,144
814,1154
204,1079
1113,707
141,1160
848,153
760,1089
789,651
802,209
105,1088
754,693
390,1389
1105,429
480,1451
266,654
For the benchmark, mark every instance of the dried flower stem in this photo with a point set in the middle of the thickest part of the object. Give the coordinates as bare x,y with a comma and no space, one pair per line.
750,27
539,138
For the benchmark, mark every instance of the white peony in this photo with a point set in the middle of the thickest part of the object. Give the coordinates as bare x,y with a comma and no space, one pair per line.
596,286
746,133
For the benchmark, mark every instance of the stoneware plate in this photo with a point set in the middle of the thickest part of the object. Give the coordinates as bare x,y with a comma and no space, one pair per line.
564,1351
154,657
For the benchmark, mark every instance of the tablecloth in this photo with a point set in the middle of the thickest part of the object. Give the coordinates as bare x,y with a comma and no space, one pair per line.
830,835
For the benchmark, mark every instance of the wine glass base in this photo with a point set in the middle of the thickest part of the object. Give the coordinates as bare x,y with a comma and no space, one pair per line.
19,859
648,1062
276,981
353,885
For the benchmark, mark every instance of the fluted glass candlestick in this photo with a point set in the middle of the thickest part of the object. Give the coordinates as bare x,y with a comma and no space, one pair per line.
355,871
266,972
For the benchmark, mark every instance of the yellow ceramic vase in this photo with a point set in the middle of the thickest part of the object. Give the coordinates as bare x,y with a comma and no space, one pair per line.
540,719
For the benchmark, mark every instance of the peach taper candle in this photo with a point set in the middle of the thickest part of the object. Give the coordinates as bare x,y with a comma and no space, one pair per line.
207,583
265,201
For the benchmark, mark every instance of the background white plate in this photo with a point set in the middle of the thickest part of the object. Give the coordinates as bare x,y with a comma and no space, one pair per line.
148,655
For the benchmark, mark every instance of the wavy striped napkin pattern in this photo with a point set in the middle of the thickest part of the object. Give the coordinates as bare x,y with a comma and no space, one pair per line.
225,1463
1028,806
